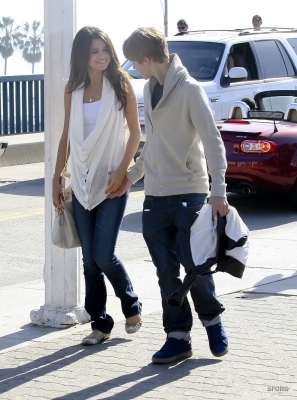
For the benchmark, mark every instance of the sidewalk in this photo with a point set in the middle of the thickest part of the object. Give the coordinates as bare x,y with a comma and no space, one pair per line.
44,363
23,148
260,318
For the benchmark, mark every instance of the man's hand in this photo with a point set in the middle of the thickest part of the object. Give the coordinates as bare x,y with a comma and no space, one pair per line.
219,205
115,180
126,184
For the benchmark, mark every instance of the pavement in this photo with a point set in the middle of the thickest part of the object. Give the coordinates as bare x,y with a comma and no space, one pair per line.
260,318
23,148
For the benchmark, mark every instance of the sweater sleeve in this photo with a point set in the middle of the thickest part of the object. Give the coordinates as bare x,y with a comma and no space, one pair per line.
214,149
136,171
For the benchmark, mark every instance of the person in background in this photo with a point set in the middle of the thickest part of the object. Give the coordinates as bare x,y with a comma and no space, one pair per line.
257,22
182,147
98,101
250,102
182,25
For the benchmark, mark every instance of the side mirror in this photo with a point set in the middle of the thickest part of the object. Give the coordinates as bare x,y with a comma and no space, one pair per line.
237,74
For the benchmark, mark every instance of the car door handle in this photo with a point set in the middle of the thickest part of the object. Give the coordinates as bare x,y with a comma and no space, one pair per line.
214,99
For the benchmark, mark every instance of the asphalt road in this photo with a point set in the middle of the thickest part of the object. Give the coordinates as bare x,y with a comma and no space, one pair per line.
22,223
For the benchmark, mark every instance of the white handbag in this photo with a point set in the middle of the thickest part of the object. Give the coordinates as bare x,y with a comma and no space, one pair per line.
64,232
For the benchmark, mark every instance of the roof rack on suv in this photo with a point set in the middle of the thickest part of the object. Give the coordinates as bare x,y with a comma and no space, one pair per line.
251,31
240,31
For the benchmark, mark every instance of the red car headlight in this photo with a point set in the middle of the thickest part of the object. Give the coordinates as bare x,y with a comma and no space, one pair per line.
257,146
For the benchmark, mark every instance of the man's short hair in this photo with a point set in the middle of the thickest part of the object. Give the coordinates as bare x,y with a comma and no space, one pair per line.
182,22
257,17
146,42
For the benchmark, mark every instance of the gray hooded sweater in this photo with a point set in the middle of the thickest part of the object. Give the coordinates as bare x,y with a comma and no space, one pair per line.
181,138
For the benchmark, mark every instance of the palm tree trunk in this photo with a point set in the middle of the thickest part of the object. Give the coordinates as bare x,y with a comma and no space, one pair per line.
5,65
32,68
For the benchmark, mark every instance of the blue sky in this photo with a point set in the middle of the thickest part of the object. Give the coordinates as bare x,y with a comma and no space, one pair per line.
119,18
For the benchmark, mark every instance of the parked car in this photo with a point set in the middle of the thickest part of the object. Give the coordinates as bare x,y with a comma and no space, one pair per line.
233,64
261,145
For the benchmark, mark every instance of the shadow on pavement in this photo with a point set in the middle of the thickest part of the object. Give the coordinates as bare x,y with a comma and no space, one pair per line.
132,222
27,333
156,376
272,281
34,187
257,210
11,378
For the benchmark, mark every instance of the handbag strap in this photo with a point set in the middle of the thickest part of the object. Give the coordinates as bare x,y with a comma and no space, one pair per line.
64,171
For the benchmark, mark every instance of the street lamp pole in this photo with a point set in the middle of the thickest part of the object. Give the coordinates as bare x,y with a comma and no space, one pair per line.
166,17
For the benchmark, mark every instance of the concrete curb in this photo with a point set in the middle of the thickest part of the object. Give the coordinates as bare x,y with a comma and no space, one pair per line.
25,148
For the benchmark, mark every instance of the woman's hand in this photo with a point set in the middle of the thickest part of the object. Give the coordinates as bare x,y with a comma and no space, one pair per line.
122,189
115,180
58,194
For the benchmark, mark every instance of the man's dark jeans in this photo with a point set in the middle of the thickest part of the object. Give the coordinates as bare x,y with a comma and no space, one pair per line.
166,229
98,231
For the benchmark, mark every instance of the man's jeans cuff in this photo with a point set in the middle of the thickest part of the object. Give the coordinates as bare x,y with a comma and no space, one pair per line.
211,322
180,335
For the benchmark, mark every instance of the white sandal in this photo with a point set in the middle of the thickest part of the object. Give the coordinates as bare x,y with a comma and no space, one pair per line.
95,339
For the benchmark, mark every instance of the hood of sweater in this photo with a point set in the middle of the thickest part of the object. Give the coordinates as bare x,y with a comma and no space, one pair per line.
176,75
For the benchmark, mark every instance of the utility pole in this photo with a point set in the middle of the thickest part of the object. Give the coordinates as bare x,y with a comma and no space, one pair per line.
166,17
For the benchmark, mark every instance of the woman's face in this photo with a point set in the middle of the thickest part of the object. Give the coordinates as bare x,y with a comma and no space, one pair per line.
99,58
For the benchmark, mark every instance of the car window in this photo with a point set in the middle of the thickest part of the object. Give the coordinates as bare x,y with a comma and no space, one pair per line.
276,103
293,43
128,67
202,59
273,58
241,55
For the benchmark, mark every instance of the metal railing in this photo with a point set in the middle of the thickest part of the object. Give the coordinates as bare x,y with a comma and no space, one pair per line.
21,104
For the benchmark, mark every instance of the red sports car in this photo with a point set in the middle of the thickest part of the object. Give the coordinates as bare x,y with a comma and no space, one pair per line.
261,144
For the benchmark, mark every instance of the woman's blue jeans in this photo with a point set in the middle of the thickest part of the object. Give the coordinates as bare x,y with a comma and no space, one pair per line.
166,229
98,231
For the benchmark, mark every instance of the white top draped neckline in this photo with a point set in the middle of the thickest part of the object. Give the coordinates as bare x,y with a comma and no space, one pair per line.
102,151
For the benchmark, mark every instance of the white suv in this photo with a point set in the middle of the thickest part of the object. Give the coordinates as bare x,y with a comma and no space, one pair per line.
231,65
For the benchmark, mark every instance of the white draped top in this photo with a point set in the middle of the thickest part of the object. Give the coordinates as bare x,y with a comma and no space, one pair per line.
97,150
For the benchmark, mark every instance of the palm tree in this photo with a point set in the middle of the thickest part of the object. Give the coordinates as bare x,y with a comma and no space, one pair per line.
10,40
33,43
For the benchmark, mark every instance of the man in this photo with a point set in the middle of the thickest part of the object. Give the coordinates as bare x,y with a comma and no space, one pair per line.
180,133
257,22
182,25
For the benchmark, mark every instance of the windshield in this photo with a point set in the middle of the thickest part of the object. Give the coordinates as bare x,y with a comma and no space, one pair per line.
277,100
202,59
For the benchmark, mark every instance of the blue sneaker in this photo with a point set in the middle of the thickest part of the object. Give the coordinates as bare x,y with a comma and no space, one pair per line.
172,350
218,339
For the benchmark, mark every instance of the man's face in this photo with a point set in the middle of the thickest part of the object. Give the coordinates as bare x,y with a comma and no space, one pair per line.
143,68
182,28
256,22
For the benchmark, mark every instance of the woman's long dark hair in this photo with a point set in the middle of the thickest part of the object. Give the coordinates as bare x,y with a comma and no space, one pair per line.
80,55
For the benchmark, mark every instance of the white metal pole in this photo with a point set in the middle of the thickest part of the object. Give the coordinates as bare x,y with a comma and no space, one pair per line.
166,17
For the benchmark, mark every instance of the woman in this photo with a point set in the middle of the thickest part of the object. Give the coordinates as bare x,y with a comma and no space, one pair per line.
99,100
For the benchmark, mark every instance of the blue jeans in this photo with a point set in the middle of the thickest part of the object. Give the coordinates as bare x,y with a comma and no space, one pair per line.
166,229
98,231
